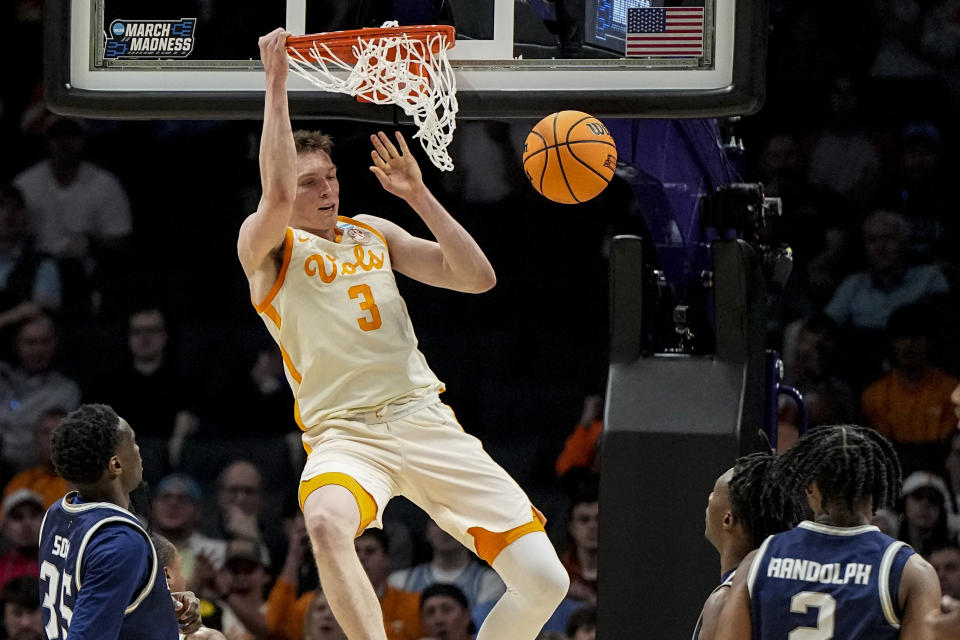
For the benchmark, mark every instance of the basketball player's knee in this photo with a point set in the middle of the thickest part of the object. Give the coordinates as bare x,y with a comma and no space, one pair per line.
543,584
330,528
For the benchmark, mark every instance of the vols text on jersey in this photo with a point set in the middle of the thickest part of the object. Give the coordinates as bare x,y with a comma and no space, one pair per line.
810,571
316,264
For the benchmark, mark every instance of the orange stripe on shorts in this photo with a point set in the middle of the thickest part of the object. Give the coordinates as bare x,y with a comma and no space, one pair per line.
489,544
365,502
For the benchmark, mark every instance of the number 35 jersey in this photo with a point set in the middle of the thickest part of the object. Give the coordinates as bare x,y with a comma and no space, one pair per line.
819,581
346,338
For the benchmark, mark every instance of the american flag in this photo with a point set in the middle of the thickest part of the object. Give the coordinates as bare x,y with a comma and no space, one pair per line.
667,31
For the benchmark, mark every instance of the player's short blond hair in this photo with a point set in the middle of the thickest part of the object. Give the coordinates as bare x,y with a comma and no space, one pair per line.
311,141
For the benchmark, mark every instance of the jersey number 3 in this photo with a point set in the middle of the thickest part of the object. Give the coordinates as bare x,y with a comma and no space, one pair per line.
826,606
58,586
368,304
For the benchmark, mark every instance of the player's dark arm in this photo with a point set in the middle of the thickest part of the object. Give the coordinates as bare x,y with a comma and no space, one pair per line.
712,609
115,567
735,622
919,595
263,231
455,260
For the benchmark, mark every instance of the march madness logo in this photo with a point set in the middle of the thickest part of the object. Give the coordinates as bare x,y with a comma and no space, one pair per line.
131,39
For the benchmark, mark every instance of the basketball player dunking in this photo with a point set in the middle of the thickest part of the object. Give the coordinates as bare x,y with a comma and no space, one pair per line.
836,576
365,397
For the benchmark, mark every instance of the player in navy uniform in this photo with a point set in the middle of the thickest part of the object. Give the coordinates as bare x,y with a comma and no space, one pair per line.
99,575
836,576
739,517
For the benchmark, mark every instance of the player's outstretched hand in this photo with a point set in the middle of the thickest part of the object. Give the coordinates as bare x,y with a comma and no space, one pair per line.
396,169
945,624
187,607
273,53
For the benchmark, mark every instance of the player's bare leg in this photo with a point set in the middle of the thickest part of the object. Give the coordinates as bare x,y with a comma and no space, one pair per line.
332,519
536,583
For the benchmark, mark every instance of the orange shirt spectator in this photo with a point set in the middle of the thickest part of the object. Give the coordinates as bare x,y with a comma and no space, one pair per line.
44,481
581,450
911,411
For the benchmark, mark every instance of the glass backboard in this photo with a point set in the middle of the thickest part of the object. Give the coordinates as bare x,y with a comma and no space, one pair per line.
512,58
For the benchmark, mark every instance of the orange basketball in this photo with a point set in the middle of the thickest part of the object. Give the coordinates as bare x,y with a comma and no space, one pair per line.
569,157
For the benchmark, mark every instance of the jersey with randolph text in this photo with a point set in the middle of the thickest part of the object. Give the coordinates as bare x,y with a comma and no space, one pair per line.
821,581
344,332
99,575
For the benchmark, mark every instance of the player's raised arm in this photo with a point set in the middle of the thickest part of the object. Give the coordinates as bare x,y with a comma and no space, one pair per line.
262,232
454,261
919,597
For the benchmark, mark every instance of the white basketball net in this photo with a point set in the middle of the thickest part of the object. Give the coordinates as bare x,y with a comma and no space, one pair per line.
394,70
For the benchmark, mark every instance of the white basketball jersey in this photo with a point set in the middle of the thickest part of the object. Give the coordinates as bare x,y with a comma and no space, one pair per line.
347,341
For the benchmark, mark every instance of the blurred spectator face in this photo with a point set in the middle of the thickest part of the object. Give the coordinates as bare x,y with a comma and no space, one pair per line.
883,240
35,344
947,563
373,557
245,576
43,432
240,488
584,523
813,352
22,623
923,507
718,508
444,618
174,509
887,521
65,142
440,540
147,335
21,527
920,160
781,166
320,623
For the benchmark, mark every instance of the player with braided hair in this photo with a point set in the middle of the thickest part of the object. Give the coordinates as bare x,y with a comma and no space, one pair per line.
740,515
836,576
99,574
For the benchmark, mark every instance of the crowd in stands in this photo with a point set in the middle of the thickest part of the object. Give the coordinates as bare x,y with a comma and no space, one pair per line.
119,283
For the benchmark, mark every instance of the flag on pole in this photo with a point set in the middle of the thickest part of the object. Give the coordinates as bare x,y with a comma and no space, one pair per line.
665,31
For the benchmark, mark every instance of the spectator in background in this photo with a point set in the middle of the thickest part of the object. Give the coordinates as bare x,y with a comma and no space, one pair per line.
22,617
580,458
287,610
925,523
865,299
241,583
401,609
952,463
29,281
910,406
844,157
30,387
42,478
152,392
169,560
583,623
946,560
813,362
22,513
444,613
452,563
320,623
580,558
176,510
240,509
78,211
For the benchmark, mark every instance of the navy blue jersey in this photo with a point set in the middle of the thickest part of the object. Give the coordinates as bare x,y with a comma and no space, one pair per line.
828,582
726,581
99,575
